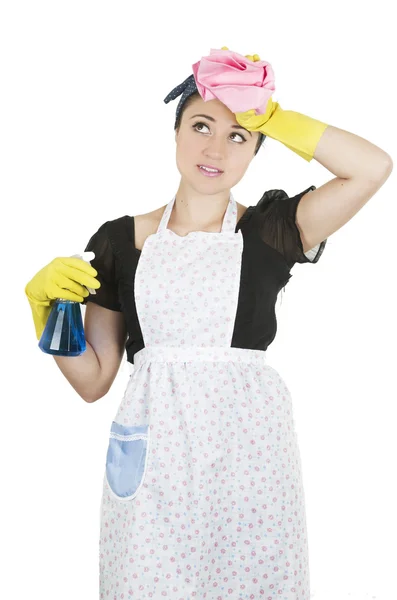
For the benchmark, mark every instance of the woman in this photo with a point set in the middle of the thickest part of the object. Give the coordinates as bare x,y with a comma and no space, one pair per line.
203,493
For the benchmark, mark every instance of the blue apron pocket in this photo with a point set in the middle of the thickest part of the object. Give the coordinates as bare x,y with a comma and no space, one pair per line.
126,459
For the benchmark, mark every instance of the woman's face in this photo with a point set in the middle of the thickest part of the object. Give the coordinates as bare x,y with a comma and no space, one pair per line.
216,140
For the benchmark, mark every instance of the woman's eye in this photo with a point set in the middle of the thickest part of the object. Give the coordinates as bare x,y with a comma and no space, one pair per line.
204,125
197,124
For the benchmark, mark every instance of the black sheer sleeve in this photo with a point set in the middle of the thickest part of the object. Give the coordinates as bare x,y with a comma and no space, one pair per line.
276,218
104,263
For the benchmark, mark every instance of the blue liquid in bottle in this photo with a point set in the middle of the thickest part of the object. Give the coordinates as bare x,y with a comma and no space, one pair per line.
63,334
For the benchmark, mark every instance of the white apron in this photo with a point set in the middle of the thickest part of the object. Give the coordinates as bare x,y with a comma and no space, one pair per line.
202,493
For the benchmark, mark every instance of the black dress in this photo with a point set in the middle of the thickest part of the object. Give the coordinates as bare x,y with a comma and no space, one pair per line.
272,245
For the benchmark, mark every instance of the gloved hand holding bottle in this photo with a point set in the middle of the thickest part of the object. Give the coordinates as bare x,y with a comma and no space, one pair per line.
63,278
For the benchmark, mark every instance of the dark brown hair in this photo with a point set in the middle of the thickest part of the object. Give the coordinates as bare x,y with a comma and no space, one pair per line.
261,137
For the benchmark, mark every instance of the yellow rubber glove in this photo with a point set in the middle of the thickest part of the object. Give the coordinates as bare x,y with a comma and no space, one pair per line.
61,278
298,132
253,57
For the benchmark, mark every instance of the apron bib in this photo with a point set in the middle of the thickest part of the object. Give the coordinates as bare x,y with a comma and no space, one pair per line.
186,288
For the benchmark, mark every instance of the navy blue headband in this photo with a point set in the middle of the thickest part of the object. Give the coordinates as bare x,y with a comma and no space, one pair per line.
187,88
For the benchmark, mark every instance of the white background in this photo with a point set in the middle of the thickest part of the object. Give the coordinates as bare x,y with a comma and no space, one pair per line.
86,138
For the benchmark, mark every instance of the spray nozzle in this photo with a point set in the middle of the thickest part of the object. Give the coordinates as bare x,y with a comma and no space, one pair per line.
86,256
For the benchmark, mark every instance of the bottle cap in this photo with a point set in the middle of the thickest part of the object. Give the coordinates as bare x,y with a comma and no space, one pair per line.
86,256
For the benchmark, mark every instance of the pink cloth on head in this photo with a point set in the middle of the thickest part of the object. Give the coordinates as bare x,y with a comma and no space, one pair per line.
235,80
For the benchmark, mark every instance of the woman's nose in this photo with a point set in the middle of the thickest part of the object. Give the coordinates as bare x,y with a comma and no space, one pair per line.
216,147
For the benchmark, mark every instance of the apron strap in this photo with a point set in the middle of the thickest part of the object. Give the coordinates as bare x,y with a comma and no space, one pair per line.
229,220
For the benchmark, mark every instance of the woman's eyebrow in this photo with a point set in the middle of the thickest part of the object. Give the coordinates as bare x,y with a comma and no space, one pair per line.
213,120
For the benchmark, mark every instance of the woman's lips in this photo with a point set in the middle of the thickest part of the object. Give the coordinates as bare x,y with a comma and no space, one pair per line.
208,173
